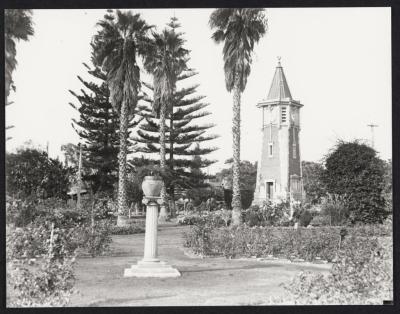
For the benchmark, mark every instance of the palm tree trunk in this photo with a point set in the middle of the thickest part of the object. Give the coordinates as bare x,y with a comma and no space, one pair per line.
163,213
236,199
123,131
171,164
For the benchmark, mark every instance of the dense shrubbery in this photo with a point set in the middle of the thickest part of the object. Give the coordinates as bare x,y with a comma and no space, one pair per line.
42,240
30,172
304,243
215,219
131,229
269,214
39,266
362,274
354,172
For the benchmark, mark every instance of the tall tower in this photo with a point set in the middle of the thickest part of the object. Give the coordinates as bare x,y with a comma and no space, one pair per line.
279,174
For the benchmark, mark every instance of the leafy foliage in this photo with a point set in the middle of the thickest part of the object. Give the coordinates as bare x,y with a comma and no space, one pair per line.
116,46
248,176
270,214
304,243
363,274
354,172
98,127
30,172
17,26
313,183
130,229
182,134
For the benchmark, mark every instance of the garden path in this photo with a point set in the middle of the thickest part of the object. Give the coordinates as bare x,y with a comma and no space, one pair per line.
208,281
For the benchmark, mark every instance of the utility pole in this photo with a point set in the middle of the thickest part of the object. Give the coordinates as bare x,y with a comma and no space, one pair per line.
372,126
78,195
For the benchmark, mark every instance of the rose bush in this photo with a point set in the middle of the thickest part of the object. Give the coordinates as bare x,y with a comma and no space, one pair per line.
304,243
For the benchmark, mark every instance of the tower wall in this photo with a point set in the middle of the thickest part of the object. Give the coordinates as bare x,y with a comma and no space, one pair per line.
281,171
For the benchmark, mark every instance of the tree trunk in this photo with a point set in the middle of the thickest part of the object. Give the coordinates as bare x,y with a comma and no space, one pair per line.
78,194
236,199
163,213
123,131
171,163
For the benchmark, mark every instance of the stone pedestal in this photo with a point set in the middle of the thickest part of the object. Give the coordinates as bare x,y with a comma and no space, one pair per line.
150,265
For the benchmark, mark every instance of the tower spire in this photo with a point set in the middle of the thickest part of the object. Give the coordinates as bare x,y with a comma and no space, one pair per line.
279,89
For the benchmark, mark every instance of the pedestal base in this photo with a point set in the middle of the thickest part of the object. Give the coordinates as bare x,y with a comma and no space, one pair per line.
151,269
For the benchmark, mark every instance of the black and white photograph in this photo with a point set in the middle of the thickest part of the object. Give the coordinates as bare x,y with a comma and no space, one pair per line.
198,157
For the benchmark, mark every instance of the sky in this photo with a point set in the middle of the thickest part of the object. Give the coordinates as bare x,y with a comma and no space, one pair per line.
337,62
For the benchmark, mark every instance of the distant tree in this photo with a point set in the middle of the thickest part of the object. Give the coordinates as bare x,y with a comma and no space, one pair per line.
238,29
248,173
116,47
181,130
165,59
97,127
314,185
354,172
388,185
30,172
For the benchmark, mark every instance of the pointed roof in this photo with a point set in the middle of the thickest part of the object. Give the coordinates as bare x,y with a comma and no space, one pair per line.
279,88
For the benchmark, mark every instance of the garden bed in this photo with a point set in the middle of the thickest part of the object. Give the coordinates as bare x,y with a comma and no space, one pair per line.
309,244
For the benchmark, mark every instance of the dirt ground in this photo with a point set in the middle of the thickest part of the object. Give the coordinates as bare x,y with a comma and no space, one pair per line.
208,281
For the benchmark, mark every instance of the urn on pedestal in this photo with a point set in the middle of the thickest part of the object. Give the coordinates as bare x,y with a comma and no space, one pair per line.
150,265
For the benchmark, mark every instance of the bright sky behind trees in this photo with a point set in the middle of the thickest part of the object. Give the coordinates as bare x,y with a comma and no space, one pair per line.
337,63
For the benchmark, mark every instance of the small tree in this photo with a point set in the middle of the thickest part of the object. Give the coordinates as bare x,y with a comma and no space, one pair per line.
354,172
313,181
30,172
248,172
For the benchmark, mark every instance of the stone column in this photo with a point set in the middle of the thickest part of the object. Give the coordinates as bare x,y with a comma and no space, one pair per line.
150,240
150,265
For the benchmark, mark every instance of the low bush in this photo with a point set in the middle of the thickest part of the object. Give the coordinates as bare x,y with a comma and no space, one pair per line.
39,266
47,283
304,243
320,220
96,238
215,219
362,274
131,229
269,214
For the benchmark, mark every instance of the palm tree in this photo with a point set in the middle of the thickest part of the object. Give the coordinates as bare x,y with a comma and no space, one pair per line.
165,60
239,30
17,26
115,49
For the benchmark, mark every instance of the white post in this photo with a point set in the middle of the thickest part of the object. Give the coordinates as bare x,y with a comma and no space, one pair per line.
150,239
150,265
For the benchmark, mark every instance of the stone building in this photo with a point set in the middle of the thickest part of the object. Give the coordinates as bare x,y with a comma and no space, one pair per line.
279,174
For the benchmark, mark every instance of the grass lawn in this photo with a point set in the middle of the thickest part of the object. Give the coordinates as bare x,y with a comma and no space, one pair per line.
209,281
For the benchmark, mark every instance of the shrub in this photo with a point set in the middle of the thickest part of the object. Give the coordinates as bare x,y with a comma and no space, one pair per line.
96,239
304,243
49,283
270,214
320,220
28,242
362,275
334,207
30,172
40,267
354,172
131,229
